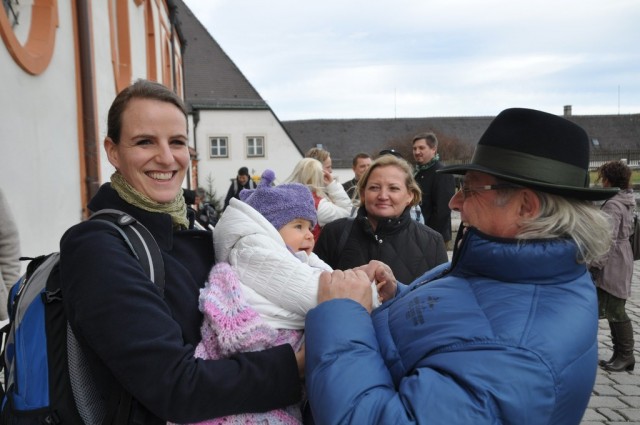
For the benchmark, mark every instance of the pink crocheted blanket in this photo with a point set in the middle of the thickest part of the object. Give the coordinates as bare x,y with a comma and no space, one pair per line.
231,326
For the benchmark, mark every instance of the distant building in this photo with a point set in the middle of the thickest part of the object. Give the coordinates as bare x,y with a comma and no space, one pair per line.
232,126
611,135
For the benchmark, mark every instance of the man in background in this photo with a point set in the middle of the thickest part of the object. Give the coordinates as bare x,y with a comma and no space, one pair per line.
242,181
437,189
360,164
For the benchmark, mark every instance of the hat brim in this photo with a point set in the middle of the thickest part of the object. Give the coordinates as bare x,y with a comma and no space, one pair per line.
582,193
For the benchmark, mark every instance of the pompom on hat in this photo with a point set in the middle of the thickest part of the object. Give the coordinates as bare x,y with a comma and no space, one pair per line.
537,150
280,204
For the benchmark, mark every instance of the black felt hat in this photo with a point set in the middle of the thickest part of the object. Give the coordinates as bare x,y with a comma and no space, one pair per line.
538,150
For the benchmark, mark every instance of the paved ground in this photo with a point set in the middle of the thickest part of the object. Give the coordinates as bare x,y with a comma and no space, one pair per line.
616,396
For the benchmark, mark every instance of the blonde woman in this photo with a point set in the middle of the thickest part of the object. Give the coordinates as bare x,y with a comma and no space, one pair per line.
383,229
323,156
330,199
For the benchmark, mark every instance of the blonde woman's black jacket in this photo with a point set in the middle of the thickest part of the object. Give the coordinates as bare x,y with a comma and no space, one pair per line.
408,247
143,342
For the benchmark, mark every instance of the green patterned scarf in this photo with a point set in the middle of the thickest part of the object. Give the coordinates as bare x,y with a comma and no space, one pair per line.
428,165
177,208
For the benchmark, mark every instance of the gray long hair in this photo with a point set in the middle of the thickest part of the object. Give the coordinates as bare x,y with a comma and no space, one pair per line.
562,217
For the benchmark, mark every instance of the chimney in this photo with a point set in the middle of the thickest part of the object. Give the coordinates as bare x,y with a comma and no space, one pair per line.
567,110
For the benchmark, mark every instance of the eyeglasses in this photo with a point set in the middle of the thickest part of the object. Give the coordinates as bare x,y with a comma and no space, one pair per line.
469,191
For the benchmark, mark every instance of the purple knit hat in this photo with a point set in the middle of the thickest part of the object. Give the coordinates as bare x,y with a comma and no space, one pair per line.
280,204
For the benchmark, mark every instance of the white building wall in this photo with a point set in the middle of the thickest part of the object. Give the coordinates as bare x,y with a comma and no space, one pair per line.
280,154
39,146
39,167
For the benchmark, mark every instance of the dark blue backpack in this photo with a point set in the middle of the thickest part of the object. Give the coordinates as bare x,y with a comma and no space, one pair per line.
46,377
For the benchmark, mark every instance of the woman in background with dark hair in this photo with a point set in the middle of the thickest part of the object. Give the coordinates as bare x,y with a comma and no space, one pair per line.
613,271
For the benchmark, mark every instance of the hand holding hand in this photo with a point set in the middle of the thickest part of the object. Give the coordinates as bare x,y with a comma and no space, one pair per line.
383,276
351,284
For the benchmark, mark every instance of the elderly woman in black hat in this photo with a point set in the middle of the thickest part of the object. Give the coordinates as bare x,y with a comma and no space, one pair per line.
506,332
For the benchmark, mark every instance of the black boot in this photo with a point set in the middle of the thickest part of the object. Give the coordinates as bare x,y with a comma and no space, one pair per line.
624,359
616,346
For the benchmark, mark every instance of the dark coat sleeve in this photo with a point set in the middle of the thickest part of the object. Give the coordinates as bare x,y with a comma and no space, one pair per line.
327,244
230,194
130,331
438,213
433,245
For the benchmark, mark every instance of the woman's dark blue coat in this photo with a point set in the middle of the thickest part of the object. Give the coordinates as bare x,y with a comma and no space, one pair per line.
138,340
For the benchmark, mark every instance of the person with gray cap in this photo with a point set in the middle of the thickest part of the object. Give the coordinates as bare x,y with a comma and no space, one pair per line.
504,333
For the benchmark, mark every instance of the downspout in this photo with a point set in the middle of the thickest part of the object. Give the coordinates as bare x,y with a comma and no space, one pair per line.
196,120
172,21
88,99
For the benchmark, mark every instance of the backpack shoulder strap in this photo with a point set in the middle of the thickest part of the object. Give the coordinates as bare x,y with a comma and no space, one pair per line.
140,240
344,236
117,408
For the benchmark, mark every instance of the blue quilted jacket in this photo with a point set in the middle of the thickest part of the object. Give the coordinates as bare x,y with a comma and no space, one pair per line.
506,334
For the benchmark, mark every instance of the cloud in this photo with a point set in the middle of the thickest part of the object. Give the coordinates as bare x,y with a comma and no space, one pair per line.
362,59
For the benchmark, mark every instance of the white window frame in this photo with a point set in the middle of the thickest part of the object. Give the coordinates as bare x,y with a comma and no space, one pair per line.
255,147
218,147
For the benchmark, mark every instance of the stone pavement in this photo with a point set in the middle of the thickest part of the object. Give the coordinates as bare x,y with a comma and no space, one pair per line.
616,396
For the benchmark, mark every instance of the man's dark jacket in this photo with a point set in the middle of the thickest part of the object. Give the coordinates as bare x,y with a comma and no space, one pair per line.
437,190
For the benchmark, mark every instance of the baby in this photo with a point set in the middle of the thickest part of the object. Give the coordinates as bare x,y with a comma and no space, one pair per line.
264,282
265,238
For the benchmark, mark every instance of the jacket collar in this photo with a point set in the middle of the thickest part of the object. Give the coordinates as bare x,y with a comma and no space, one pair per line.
514,260
386,226
159,224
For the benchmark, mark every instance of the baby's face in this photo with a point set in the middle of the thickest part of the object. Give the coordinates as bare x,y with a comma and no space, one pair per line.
297,235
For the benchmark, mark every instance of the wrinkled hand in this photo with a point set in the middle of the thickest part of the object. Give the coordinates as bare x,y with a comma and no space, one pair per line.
351,284
384,278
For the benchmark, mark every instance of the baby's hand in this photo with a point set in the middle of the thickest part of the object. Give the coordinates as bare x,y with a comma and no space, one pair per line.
383,277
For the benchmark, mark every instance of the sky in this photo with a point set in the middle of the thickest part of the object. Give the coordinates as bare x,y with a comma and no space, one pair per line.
432,58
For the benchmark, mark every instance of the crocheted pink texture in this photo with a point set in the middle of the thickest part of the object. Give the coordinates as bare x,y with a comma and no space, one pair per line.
230,326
